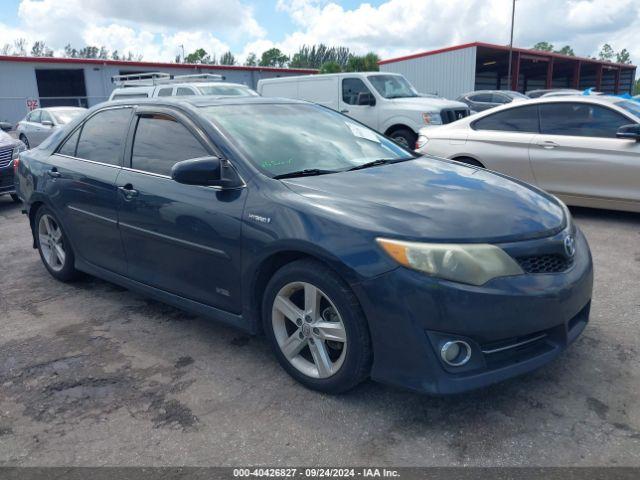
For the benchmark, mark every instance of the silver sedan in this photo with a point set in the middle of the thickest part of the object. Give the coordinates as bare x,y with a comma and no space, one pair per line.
584,149
42,122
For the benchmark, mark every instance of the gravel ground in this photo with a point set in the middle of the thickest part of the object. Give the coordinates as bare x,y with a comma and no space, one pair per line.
92,374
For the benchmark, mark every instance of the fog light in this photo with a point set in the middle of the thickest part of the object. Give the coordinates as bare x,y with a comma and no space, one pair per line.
455,353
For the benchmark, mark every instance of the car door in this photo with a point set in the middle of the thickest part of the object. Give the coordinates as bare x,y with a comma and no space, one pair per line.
30,126
500,140
82,186
352,89
577,152
183,239
41,130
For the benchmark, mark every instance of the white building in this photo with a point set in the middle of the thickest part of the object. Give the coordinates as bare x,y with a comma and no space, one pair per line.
452,71
31,82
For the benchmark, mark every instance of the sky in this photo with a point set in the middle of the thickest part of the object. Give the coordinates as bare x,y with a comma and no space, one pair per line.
155,29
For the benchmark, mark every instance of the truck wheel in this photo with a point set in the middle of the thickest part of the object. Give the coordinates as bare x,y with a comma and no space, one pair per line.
405,138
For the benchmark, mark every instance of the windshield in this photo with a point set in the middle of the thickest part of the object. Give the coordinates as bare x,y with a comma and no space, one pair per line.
392,86
227,90
629,106
63,117
285,138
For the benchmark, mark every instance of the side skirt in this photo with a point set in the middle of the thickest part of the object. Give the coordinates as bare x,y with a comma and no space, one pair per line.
197,308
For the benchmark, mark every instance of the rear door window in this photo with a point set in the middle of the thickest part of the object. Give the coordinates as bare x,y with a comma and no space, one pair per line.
519,119
103,136
580,119
184,91
165,92
160,142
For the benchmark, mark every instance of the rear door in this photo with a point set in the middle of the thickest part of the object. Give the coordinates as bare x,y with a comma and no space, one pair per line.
500,141
351,88
577,153
82,186
183,239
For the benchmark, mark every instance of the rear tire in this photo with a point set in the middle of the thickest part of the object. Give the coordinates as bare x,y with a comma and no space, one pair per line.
469,161
54,247
24,140
15,198
405,138
316,327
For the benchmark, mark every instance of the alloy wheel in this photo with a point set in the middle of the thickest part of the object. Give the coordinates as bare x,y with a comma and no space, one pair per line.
51,243
309,330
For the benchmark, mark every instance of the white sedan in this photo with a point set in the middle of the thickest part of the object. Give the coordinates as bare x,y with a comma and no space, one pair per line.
584,149
42,122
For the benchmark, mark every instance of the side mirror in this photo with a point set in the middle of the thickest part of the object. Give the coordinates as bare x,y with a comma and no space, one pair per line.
47,123
629,132
5,126
206,171
366,98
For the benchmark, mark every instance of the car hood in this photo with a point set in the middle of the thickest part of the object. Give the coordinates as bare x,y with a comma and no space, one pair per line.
431,199
426,104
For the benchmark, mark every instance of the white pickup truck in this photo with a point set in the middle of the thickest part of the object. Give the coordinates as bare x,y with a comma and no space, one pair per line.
386,102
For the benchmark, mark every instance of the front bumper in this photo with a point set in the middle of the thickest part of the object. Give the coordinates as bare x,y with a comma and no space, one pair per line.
513,324
7,180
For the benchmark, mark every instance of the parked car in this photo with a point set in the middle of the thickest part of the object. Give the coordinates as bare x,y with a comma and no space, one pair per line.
42,122
583,149
163,85
10,148
386,102
547,91
355,257
482,100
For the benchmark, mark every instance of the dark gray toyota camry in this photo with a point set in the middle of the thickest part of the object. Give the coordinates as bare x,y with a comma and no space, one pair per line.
355,257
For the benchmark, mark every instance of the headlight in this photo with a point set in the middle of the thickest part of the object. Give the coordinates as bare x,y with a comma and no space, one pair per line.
17,150
474,263
432,118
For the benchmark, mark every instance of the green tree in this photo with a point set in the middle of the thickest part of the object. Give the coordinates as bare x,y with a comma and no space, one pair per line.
606,53
623,56
636,87
566,50
251,60
40,49
273,58
363,63
228,59
543,46
198,56
314,56
330,67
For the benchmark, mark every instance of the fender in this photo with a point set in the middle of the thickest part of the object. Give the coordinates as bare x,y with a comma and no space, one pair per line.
402,120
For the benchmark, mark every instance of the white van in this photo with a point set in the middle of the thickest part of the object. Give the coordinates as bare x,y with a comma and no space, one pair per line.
386,102
158,84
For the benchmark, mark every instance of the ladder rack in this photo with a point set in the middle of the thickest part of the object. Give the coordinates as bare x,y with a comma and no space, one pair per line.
160,78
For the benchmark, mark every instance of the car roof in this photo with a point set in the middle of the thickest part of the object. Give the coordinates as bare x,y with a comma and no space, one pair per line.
197,101
61,109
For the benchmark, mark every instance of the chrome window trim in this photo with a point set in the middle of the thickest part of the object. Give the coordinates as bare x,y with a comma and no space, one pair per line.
88,161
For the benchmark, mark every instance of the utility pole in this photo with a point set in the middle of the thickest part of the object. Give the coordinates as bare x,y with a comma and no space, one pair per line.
182,47
513,16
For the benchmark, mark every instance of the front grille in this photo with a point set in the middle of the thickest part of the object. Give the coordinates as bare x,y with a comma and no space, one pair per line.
5,156
544,263
452,114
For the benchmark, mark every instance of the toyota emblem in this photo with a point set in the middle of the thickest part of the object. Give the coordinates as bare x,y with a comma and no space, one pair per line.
570,246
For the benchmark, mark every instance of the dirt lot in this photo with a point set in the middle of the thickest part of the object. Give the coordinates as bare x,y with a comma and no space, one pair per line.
91,374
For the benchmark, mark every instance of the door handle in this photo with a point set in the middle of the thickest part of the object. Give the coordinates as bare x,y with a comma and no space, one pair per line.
548,144
344,111
128,191
54,173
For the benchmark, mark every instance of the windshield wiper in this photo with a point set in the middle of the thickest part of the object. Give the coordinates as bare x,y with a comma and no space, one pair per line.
379,161
307,172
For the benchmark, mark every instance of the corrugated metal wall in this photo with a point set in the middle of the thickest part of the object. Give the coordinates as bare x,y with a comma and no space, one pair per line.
448,74
18,82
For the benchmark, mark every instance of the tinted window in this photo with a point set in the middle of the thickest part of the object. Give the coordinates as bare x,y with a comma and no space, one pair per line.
165,92
103,136
520,119
183,91
351,87
580,119
481,97
34,116
630,106
160,142
69,146
120,96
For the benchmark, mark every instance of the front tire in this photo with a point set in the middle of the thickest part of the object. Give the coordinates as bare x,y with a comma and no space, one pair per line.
23,139
405,138
54,247
316,327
